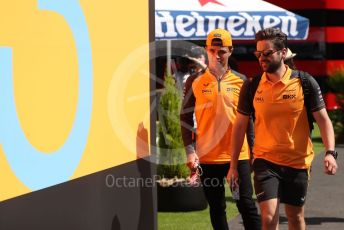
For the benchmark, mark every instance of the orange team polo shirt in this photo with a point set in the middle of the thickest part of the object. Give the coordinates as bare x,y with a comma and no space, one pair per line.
215,110
282,134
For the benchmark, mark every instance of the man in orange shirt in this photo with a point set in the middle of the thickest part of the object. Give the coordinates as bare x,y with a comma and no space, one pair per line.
213,96
283,150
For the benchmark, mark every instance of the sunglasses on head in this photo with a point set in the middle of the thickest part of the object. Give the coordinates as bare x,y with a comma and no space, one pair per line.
265,53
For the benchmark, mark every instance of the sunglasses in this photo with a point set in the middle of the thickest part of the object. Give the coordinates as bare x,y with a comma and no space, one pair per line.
265,53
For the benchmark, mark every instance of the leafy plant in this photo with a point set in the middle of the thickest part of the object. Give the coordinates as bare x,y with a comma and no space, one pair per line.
336,84
336,81
171,153
337,119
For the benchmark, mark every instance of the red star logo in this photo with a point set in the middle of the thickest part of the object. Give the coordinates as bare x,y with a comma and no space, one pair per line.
203,2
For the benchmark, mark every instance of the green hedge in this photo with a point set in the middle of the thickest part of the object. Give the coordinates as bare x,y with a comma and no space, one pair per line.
336,84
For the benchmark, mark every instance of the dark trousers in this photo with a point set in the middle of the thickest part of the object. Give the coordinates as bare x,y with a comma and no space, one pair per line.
213,178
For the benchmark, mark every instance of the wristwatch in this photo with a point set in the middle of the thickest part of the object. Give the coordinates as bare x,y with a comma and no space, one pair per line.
333,153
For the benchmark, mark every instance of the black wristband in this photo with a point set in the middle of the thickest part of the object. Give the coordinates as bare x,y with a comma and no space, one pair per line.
332,152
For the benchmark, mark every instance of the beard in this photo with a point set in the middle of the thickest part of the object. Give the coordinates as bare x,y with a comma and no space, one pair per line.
271,67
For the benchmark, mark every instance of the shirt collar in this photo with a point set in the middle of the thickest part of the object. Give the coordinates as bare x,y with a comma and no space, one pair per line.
226,74
286,76
283,80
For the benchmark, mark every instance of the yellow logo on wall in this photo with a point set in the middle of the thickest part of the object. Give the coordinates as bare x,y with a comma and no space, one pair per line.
70,104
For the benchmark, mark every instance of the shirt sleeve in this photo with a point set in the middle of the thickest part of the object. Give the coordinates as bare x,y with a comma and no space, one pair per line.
245,104
316,99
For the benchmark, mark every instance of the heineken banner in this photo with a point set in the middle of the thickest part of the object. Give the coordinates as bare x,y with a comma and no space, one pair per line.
193,19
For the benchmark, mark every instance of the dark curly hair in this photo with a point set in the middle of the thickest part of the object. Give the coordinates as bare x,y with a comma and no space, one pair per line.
278,38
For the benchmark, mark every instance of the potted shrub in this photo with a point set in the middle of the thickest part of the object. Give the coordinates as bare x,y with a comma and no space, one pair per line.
174,191
336,84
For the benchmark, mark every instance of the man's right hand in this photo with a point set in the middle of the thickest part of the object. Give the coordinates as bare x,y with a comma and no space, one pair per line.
232,175
192,158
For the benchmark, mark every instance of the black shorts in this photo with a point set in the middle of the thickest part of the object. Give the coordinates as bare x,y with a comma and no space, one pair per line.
282,182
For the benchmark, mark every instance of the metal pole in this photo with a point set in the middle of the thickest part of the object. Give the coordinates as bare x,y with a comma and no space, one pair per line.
168,64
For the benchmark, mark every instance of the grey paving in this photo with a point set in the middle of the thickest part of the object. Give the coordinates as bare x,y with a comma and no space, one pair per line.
325,199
